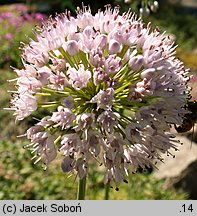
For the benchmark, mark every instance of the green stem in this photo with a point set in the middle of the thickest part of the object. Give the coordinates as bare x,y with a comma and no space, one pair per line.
107,187
81,189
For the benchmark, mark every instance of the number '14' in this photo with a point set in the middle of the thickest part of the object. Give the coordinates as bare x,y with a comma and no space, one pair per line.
187,208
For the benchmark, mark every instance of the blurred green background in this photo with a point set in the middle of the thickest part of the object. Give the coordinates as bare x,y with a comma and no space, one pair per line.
19,177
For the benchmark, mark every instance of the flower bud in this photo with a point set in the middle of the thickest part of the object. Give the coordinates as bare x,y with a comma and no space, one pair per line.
144,12
44,74
136,62
127,1
154,7
72,47
114,47
68,102
88,31
101,41
81,168
67,164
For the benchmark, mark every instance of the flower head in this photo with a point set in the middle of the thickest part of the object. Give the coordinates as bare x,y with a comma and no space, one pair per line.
114,89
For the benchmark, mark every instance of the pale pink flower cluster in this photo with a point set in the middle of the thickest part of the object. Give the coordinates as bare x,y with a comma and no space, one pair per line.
112,88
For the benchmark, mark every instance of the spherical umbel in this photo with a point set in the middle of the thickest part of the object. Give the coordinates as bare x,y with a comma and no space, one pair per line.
111,87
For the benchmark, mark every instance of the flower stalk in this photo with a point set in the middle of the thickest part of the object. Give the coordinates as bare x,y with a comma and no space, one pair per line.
107,189
81,189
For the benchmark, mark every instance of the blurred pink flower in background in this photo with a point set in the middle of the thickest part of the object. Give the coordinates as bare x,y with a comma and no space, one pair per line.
8,36
13,19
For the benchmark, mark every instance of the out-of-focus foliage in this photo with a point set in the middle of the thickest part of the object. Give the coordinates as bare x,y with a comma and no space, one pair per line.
15,23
